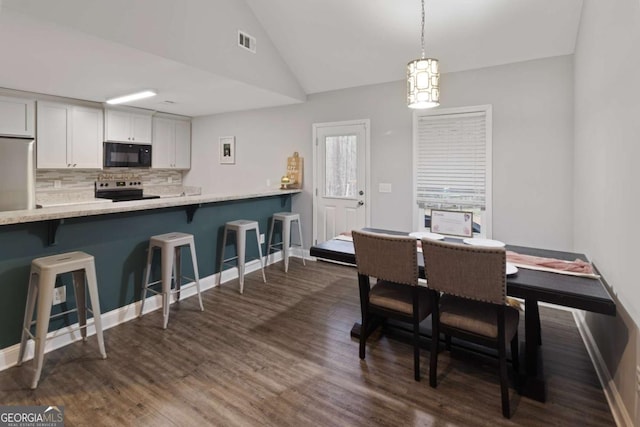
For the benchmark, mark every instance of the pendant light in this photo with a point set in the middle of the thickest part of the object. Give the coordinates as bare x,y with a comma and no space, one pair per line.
423,79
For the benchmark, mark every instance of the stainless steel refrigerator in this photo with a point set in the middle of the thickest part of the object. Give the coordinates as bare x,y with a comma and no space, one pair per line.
17,174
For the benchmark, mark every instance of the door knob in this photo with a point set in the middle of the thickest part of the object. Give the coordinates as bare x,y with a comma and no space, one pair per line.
361,192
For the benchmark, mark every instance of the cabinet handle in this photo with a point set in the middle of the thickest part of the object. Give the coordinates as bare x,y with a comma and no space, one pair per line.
74,165
68,165
133,139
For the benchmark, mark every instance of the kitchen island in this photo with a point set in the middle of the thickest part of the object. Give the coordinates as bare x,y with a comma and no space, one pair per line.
117,235
80,209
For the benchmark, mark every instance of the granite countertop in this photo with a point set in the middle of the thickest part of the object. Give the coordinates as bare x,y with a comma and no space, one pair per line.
79,208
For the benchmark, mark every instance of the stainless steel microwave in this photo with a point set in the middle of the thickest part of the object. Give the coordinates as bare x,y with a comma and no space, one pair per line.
119,155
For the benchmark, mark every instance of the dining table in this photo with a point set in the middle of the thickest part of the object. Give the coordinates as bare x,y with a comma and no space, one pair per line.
531,285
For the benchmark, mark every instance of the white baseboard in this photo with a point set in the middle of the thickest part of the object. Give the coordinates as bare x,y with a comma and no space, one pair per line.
618,410
299,252
67,335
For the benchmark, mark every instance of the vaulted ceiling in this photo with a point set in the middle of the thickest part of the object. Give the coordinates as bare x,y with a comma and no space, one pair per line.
187,49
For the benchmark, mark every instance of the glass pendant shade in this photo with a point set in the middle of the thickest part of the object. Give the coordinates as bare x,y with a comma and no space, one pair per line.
423,83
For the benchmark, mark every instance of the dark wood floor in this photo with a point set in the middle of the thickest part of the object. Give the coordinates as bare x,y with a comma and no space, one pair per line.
281,355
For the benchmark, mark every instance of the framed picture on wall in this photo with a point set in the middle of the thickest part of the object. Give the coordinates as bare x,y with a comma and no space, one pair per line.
227,150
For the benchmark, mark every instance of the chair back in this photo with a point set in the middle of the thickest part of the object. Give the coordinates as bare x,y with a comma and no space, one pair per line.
386,257
472,272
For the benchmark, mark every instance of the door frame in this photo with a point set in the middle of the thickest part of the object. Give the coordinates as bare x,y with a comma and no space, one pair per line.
367,161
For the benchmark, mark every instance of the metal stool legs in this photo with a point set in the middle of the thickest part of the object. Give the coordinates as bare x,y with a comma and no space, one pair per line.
42,280
286,219
170,246
240,227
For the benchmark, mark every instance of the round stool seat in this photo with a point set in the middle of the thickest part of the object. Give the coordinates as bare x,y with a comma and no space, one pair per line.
173,239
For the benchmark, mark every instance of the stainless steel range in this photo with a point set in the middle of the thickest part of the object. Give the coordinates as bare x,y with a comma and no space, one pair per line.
121,190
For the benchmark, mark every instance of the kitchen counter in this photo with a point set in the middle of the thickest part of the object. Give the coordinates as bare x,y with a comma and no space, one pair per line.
117,236
80,209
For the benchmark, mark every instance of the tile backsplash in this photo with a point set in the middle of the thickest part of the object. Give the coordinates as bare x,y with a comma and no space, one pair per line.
84,179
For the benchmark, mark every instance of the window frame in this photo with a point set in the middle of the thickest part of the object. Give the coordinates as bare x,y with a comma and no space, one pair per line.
487,221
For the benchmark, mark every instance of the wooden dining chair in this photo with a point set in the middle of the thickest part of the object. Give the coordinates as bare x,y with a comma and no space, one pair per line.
392,262
472,306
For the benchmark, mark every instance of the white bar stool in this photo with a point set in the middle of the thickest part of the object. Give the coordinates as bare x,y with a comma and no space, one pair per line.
240,227
285,218
170,245
42,283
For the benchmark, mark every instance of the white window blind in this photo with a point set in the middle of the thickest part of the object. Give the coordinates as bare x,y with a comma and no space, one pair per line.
451,161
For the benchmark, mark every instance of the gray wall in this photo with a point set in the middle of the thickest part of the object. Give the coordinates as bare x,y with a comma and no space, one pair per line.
532,147
607,200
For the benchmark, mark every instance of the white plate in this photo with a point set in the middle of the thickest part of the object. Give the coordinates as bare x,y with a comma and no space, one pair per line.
511,269
488,243
426,235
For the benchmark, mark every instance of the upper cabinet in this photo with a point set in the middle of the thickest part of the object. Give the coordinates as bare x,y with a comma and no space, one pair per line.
17,117
69,136
171,143
127,126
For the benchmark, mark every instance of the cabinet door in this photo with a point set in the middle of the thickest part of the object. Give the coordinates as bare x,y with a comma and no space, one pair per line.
54,122
17,117
117,126
163,144
140,128
86,138
182,145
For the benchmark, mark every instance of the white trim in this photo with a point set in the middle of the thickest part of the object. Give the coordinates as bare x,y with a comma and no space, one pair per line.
367,159
62,337
620,414
487,110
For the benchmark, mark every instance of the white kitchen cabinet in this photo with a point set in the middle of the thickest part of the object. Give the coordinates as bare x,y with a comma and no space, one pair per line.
86,137
69,136
171,143
127,126
17,117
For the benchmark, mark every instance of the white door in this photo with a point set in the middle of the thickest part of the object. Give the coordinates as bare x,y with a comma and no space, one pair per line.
86,138
54,122
183,145
163,144
117,126
140,128
341,190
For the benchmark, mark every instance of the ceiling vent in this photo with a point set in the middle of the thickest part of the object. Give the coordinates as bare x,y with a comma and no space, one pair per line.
246,41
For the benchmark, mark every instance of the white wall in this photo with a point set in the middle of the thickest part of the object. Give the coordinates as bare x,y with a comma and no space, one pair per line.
607,149
199,33
532,147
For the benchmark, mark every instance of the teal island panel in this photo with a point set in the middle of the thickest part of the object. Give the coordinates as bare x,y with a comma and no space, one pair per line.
119,244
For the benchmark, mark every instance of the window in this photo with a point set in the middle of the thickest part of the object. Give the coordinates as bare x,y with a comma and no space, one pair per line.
341,166
452,164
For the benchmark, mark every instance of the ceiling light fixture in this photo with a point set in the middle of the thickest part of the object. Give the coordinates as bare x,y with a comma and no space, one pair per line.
423,79
133,97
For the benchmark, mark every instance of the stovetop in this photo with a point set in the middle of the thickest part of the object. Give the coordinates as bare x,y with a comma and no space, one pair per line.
121,190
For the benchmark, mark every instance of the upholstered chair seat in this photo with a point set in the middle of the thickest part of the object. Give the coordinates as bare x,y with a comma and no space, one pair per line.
476,317
394,296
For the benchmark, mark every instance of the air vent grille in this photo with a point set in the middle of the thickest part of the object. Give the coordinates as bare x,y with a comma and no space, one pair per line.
246,41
